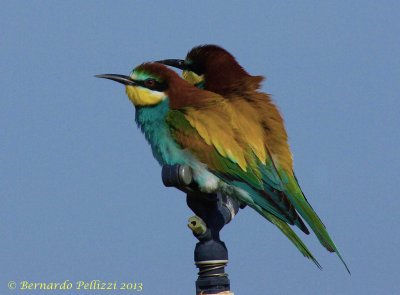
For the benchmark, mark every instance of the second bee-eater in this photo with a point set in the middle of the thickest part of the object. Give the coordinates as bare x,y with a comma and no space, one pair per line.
212,68
189,126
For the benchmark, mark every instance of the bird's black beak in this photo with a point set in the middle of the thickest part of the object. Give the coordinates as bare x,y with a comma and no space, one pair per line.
176,63
126,80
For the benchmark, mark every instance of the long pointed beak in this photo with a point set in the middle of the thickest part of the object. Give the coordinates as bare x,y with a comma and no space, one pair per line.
126,80
176,63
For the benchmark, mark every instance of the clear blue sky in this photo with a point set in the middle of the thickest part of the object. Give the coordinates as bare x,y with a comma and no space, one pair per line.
81,195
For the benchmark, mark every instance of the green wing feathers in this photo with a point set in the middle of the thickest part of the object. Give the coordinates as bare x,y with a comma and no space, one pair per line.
297,198
291,235
273,190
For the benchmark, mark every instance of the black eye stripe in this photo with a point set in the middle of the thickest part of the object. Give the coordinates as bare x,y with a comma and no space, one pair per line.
158,86
196,68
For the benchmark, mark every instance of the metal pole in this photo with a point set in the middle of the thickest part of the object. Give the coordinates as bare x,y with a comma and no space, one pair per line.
213,212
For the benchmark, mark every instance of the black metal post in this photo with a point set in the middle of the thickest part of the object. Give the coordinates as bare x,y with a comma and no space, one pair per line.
212,211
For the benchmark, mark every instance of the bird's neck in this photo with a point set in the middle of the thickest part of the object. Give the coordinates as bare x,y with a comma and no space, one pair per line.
151,121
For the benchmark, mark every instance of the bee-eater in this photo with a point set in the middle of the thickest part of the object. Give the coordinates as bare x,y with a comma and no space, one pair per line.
212,68
189,126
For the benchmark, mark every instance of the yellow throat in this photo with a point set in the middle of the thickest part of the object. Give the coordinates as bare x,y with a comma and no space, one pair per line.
141,96
192,77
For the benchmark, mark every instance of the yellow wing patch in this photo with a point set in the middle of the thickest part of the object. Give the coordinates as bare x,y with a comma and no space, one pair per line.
214,126
248,124
276,139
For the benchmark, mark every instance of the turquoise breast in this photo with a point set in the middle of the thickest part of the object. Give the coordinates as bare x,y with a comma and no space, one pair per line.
151,121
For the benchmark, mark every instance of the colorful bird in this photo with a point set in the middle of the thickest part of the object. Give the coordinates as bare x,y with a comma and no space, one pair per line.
261,126
189,126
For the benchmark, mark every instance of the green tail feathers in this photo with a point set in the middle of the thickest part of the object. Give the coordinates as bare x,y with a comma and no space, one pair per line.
297,198
291,235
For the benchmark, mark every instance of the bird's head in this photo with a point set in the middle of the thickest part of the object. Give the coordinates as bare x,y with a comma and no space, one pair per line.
209,66
147,85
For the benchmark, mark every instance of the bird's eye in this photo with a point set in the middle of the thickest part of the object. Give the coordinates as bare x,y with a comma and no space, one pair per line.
150,83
